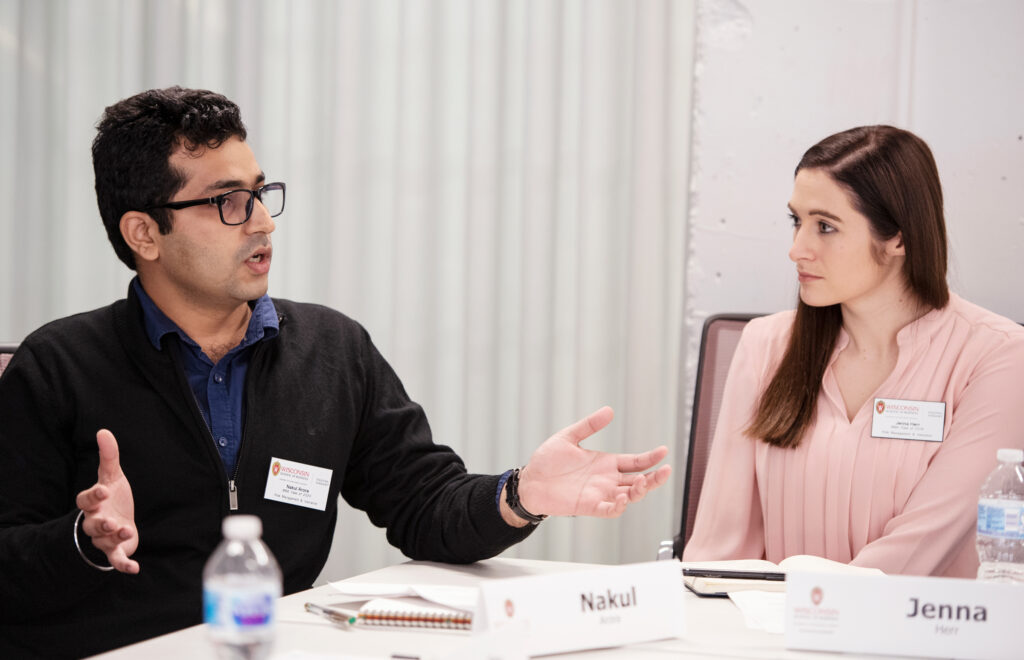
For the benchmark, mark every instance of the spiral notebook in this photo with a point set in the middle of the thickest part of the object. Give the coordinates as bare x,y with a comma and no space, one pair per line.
408,605
412,612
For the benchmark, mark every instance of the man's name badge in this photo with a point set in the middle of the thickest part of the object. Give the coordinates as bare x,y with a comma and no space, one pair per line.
902,419
296,483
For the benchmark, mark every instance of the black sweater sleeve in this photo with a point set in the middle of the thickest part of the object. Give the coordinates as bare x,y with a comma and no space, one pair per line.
418,490
42,571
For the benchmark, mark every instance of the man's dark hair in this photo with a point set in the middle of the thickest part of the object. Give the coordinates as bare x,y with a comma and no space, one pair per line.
134,142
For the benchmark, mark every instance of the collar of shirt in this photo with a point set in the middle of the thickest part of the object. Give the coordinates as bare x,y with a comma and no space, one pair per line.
218,389
263,324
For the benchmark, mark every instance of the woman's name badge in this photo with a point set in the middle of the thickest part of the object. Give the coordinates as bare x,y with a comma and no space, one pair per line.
296,483
908,420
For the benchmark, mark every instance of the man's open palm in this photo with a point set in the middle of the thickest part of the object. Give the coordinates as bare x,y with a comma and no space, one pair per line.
110,508
564,479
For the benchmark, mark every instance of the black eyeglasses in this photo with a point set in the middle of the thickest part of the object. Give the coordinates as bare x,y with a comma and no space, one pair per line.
235,206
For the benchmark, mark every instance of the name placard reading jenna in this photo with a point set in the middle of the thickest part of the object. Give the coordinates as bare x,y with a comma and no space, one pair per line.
903,615
296,483
589,608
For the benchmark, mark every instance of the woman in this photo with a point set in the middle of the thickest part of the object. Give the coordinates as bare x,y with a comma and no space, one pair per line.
861,426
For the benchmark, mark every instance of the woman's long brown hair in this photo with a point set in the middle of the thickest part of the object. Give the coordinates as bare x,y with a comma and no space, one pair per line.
891,178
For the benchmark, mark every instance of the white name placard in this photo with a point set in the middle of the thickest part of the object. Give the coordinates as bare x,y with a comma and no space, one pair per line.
903,615
587,609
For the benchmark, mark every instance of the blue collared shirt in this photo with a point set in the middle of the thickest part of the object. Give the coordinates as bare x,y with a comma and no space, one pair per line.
219,388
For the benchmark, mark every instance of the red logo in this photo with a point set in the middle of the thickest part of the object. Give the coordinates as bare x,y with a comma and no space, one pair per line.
276,469
510,609
817,595
880,406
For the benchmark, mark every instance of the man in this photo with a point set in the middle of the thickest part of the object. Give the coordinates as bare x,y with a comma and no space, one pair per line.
199,391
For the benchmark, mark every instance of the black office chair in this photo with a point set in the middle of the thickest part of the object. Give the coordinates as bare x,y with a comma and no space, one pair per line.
718,342
6,351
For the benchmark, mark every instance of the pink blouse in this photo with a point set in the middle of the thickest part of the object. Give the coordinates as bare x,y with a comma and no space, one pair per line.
904,506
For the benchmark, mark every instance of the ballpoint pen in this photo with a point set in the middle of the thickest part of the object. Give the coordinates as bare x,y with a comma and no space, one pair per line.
343,618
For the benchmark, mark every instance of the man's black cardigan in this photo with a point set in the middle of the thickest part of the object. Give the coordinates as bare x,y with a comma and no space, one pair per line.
319,393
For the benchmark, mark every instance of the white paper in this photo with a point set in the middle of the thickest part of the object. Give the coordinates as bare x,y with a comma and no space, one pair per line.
305,655
460,598
762,610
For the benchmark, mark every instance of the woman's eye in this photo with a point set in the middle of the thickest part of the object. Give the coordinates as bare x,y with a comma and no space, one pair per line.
795,220
825,228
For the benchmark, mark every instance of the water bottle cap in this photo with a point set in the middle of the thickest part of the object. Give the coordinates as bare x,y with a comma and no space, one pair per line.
242,528
1010,455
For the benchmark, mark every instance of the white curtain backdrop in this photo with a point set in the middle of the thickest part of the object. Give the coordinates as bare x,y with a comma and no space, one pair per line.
496,190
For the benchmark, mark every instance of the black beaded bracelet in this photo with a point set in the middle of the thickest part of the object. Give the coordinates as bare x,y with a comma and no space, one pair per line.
512,499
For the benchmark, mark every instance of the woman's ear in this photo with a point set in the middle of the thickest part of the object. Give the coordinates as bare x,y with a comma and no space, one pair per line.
140,232
894,246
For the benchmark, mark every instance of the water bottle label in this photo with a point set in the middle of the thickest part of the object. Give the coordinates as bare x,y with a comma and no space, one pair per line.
1002,519
238,610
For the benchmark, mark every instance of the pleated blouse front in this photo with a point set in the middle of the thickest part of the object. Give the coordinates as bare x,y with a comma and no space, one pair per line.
904,506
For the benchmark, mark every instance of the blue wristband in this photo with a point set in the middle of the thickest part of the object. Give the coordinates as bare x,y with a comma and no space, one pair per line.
501,484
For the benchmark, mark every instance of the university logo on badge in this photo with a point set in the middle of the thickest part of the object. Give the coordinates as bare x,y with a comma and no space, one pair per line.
880,406
816,593
276,469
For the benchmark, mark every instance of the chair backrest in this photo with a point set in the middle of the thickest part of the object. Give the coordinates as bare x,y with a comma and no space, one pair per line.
6,351
718,342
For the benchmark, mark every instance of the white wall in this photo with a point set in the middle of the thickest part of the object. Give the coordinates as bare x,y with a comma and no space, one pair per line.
773,78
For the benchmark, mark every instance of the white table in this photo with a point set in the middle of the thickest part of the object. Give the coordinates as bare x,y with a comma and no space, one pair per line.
715,627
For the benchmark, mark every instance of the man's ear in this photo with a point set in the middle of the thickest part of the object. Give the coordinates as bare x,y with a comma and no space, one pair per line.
140,232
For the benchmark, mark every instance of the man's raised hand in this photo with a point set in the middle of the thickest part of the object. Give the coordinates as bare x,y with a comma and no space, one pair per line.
110,508
564,479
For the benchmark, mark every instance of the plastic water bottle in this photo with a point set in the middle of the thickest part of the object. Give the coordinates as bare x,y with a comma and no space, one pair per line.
241,585
1001,520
